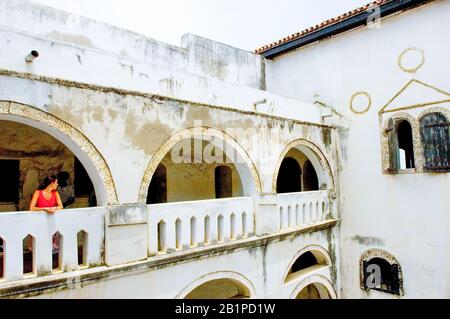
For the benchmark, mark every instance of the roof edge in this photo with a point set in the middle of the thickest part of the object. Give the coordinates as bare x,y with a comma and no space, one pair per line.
337,25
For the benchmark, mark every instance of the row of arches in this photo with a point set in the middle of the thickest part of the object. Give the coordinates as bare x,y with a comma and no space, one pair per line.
406,148
31,133
302,272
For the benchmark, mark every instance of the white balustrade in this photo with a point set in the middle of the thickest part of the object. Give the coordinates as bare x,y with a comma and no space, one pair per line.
302,209
198,223
40,228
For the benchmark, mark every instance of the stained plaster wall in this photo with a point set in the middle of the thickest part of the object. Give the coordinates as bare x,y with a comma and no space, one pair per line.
405,214
91,52
128,130
109,97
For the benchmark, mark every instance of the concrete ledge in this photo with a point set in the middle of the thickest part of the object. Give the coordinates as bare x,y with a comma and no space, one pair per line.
43,285
128,214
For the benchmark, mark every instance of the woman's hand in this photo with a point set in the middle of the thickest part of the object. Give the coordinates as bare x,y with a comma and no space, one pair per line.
50,210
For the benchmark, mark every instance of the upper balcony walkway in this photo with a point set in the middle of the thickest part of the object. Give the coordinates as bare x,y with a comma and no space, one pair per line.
30,257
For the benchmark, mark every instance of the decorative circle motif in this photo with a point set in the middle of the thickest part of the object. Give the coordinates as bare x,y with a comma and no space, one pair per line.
411,54
360,109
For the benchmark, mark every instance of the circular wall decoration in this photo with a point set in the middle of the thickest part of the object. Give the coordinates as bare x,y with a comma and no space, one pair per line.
411,60
360,102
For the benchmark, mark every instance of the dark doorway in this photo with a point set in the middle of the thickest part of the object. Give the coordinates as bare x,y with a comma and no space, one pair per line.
157,191
223,182
310,180
9,187
289,176
82,182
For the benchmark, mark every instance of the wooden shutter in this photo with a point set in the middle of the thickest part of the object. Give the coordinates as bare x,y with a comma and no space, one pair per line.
434,130
395,284
393,147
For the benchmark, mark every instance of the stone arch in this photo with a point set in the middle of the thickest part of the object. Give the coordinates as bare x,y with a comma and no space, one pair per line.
73,139
323,285
385,255
417,149
441,110
247,170
245,284
317,158
320,253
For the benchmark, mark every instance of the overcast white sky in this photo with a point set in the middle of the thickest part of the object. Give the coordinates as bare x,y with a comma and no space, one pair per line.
246,24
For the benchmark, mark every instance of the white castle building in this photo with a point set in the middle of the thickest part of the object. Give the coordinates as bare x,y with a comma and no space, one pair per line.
314,167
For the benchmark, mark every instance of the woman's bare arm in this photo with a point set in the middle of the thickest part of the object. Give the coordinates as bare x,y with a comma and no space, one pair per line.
33,202
59,202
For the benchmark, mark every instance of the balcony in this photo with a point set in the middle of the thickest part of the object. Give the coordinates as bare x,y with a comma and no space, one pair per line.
302,209
28,250
185,225
159,232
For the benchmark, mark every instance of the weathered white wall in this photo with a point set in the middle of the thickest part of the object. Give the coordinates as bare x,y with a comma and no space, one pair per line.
97,100
406,214
203,71
128,130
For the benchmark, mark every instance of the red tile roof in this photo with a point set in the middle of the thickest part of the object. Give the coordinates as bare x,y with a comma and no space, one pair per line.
321,25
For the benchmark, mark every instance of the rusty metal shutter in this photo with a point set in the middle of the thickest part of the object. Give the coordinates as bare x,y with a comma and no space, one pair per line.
434,130
395,284
393,147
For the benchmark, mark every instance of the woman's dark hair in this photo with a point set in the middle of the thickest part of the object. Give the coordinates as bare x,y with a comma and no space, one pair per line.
47,181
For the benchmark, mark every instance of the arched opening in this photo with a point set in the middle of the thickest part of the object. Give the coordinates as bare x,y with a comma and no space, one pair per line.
193,229
178,234
405,145
289,177
220,289
29,253
161,236
192,170
57,251
207,230
314,291
157,191
27,156
308,261
435,135
220,229
302,168
310,180
82,248
190,163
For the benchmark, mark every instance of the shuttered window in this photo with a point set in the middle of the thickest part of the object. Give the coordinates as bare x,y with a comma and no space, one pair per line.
434,130
391,276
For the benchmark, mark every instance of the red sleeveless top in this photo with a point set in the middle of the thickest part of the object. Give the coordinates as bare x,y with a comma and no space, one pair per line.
43,202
